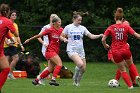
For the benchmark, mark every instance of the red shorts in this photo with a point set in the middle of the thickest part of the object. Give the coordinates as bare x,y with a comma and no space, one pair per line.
121,54
110,56
49,55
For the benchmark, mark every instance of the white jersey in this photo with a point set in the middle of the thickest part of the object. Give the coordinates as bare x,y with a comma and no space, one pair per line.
75,37
45,38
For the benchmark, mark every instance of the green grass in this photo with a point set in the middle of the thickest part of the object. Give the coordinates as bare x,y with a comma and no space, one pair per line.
95,80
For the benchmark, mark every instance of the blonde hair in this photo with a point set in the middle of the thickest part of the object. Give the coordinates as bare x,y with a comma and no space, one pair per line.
53,16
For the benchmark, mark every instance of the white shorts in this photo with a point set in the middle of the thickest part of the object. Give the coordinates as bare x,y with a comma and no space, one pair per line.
80,53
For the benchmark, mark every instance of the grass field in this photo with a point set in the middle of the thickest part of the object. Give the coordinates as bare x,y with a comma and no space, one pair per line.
94,81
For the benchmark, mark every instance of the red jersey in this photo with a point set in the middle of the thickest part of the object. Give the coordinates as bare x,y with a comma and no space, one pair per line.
5,25
54,39
119,34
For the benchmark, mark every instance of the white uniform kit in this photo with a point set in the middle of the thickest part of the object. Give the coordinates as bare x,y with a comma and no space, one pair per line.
75,39
45,39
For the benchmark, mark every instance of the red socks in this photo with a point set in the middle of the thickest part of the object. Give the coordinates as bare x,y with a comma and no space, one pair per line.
44,74
118,74
3,76
56,71
133,70
126,78
133,78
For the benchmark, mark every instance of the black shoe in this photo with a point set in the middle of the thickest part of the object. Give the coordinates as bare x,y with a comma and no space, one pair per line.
35,82
53,82
135,85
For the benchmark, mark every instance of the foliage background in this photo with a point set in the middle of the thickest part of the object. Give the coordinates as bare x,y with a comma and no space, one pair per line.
33,14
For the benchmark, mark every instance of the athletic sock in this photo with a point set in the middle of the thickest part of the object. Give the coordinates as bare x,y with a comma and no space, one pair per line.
133,79
3,76
44,74
126,78
118,74
56,72
80,76
133,70
76,73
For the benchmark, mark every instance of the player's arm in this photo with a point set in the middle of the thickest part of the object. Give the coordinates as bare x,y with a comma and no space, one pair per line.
34,37
137,35
106,46
92,36
63,37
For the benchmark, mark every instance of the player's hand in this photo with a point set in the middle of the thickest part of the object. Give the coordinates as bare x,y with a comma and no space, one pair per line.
26,41
106,46
45,44
65,40
22,48
101,35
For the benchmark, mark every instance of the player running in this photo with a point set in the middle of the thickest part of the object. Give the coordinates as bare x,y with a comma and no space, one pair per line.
73,35
5,26
45,42
119,47
54,63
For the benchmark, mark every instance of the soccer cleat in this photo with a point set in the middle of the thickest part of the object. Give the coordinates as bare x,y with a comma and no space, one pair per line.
35,82
138,78
11,76
54,83
135,85
130,87
41,82
74,83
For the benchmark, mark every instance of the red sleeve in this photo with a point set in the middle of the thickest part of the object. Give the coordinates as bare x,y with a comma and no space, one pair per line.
10,26
46,32
130,30
8,36
107,32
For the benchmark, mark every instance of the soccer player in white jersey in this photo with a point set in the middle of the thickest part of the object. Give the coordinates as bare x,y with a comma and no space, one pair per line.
45,41
73,35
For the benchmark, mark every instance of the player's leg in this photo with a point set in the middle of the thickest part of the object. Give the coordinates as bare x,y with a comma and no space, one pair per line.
118,56
125,76
15,59
44,73
57,61
4,67
80,65
14,56
81,72
133,69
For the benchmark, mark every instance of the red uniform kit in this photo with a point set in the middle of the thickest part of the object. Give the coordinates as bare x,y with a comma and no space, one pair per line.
5,26
119,47
54,41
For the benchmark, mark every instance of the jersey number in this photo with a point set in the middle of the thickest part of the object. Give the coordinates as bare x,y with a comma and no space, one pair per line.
119,35
76,37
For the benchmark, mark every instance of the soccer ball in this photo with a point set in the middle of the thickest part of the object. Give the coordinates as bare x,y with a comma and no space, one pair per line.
113,83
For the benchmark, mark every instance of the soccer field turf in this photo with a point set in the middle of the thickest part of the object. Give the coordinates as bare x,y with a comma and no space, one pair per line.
95,80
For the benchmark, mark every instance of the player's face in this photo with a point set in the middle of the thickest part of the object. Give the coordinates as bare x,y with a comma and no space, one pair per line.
58,23
78,20
13,16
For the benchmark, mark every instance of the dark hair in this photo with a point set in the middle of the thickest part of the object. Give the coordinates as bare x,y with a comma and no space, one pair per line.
77,14
12,11
4,9
119,14
55,19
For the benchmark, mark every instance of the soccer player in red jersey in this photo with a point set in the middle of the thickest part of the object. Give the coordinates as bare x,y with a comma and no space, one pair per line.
119,47
110,58
54,63
5,26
